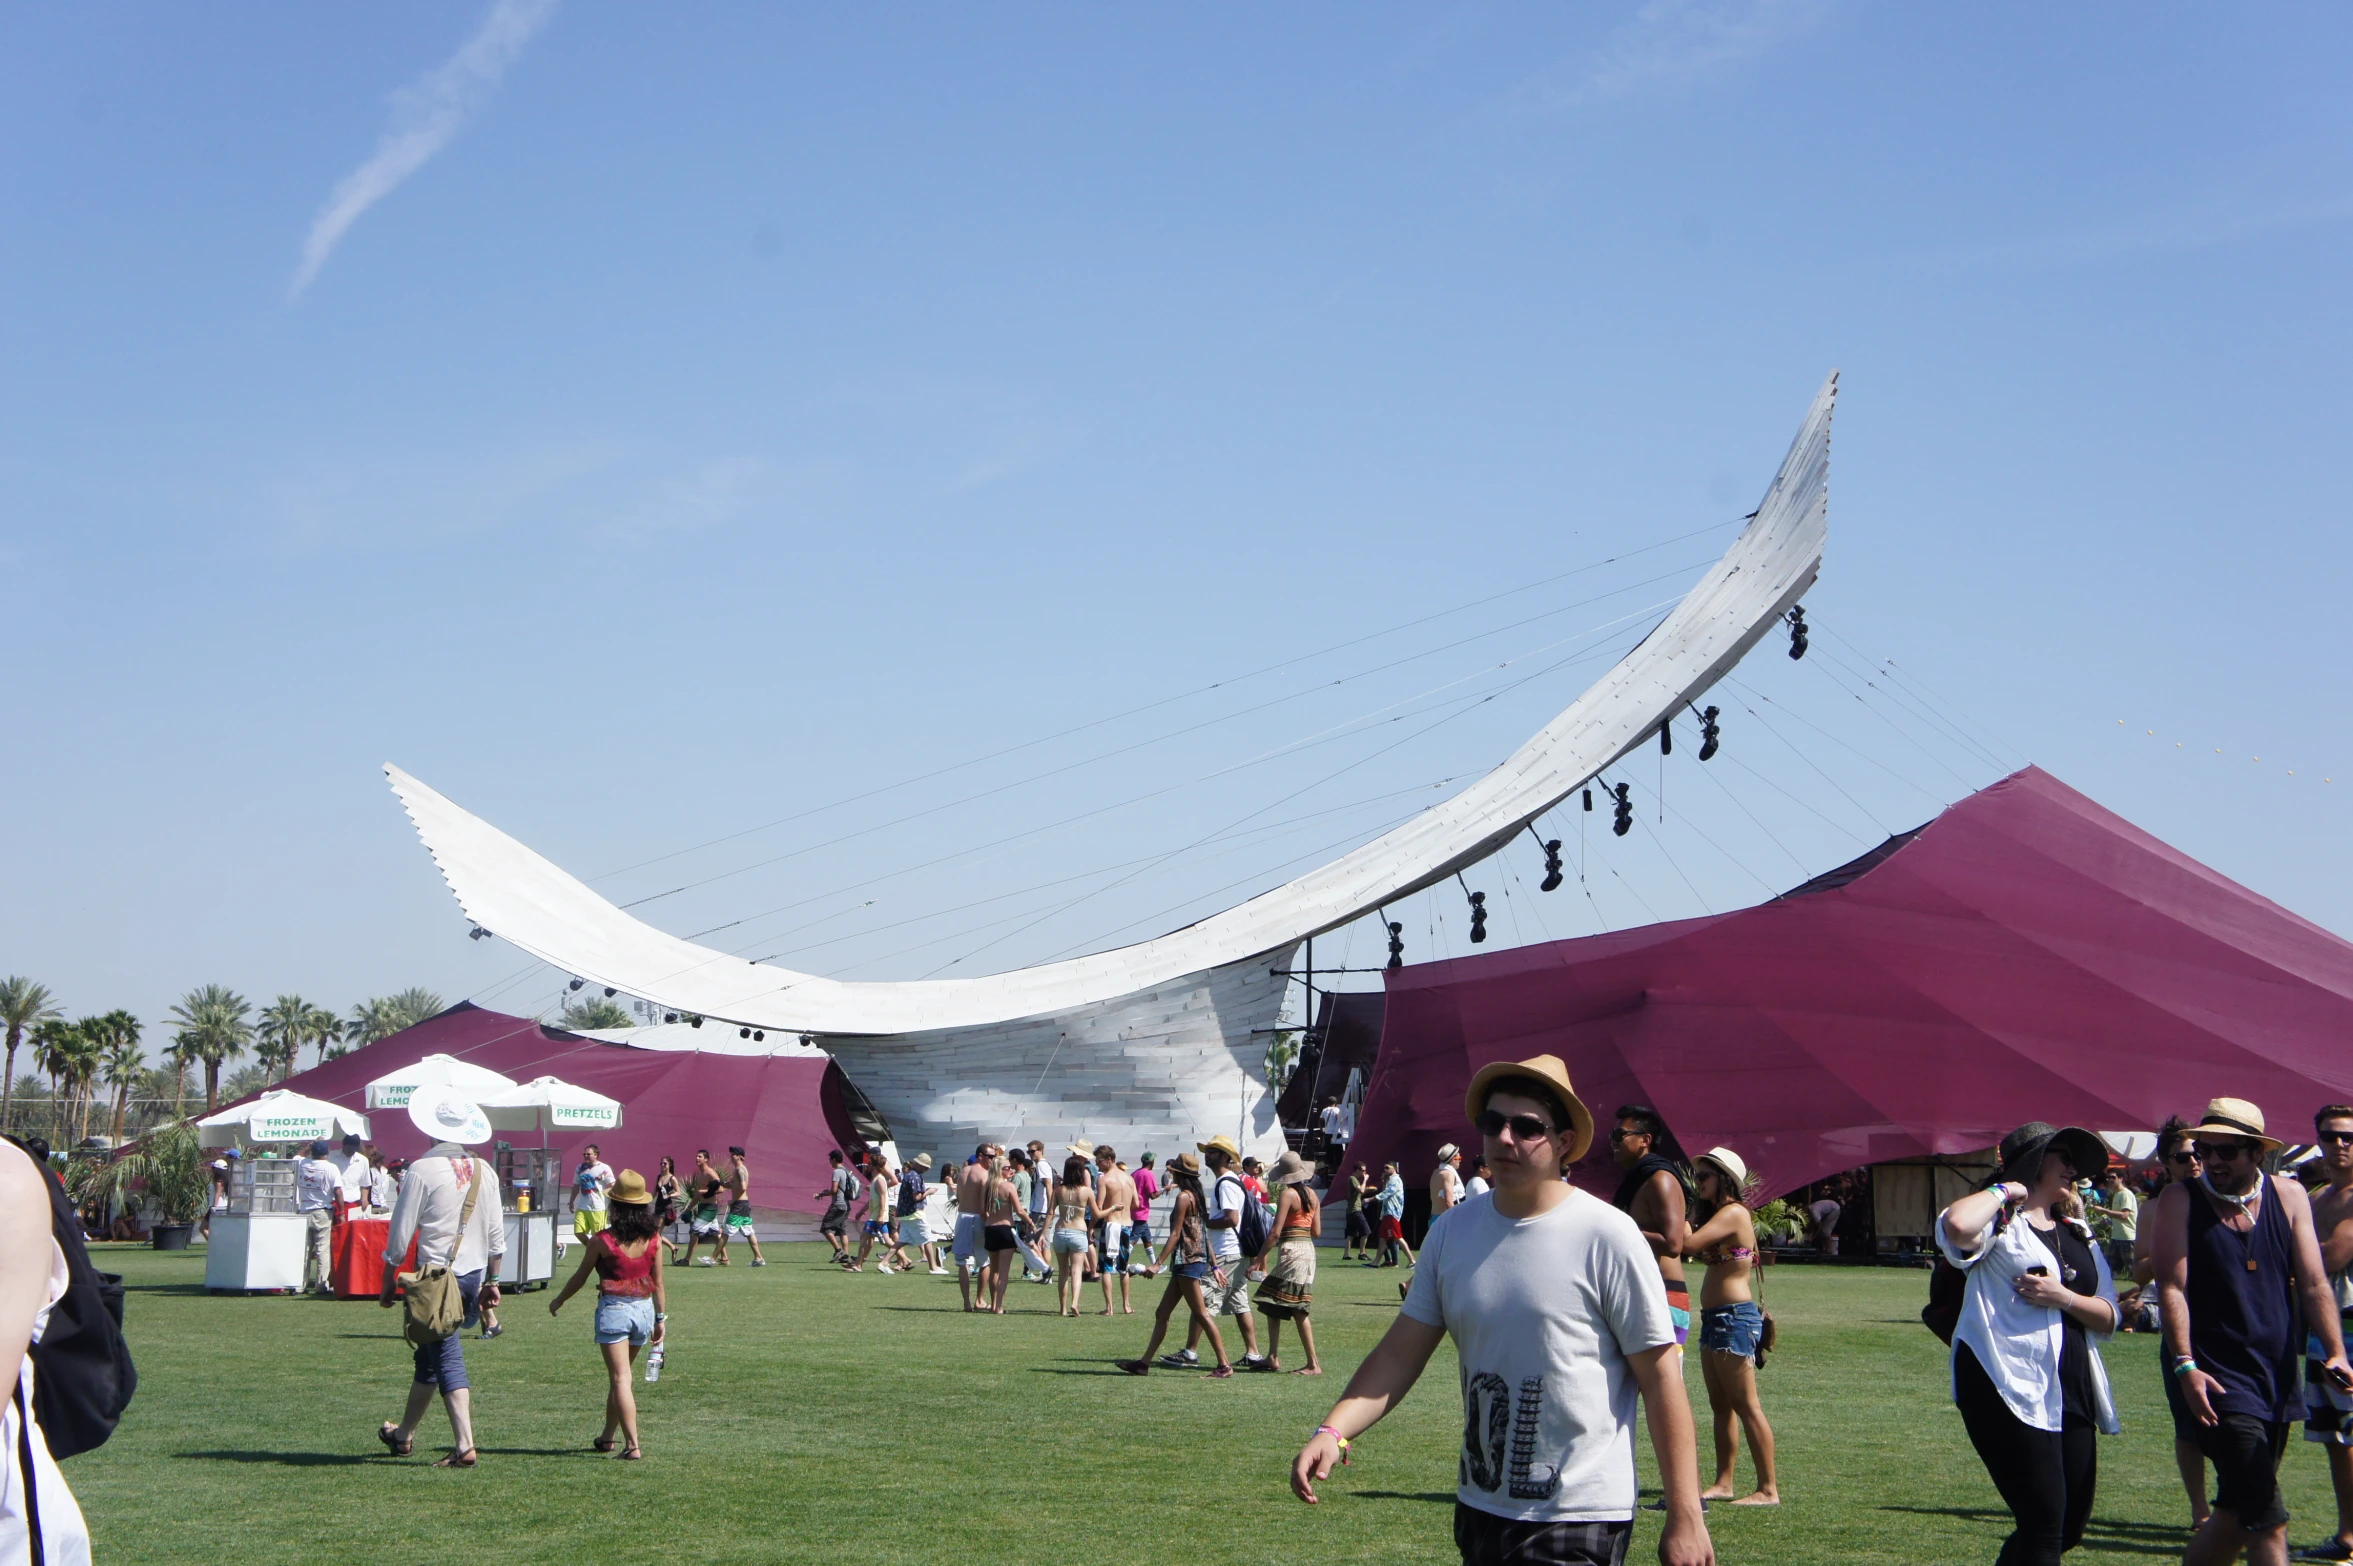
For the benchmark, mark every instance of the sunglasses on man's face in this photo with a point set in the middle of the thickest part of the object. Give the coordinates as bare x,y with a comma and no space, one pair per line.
2223,1153
1621,1134
2337,1138
2182,1155
1524,1128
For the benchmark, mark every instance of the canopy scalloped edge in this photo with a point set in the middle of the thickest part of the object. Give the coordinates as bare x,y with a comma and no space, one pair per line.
513,892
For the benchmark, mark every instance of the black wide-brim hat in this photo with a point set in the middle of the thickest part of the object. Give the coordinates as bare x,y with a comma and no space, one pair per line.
2022,1151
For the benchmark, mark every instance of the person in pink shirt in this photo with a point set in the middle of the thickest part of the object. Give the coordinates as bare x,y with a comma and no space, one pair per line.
1139,1234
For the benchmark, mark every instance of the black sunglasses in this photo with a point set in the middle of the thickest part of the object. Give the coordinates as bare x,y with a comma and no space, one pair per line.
1525,1128
1620,1133
2219,1153
2340,1138
2182,1155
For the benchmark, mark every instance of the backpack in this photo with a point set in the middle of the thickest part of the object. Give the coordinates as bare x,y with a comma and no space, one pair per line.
851,1188
1946,1285
1251,1231
83,1377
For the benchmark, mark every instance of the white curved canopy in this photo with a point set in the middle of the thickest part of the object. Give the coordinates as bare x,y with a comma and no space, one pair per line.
279,1115
506,888
394,1089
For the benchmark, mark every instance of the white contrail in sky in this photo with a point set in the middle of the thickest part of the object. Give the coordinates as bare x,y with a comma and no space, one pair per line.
426,115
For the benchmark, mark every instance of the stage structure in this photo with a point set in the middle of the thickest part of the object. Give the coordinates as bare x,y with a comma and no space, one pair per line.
1150,1044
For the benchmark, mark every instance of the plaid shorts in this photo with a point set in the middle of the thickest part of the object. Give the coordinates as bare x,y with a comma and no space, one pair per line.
1488,1540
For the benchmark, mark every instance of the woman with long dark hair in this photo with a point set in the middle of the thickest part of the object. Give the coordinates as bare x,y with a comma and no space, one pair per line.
1733,1333
2030,1386
626,1256
669,1203
1188,1247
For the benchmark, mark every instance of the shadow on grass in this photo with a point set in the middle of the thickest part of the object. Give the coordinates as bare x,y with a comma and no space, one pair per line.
1445,1496
2100,1533
285,1459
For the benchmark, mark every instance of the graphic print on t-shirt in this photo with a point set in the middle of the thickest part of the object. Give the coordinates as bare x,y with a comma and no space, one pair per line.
1489,1412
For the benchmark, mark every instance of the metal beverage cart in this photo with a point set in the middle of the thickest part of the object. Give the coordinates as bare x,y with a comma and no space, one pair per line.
258,1244
530,1183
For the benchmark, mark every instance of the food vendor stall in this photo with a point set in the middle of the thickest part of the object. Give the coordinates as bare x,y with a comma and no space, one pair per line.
532,1178
259,1243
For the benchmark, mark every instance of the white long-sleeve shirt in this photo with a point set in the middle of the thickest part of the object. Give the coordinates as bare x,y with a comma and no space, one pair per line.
432,1194
2020,1345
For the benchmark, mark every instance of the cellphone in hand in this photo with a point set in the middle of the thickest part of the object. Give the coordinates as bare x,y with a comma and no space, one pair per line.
2038,1270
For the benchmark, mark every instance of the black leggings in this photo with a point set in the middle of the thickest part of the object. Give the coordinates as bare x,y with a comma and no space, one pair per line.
2046,1477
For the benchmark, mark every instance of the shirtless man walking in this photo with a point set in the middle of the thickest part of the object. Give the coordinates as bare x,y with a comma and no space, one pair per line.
1652,1194
972,1198
1115,1209
737,1190
2328,1410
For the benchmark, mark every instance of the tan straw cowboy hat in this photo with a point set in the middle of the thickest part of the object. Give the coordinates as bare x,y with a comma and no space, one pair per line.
1553,1072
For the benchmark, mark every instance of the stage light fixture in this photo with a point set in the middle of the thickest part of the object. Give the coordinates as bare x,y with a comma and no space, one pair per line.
608,992
1622,817
759,1035
1396,945
669,1016
694,1022
1589,801
575,984
1797,632
1710,736
1478,918
743,1033
1552,870
1666,739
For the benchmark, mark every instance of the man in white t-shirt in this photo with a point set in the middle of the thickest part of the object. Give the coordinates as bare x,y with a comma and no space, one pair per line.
590,1182
1559,1318
317,1186
351,1170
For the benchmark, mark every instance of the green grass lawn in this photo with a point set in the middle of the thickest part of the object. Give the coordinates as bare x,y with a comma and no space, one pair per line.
810,1415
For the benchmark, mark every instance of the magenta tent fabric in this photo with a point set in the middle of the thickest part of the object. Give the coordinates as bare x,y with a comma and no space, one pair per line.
673,1101
2027,955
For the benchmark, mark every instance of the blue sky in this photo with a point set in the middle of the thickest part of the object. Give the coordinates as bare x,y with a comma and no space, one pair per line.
644,427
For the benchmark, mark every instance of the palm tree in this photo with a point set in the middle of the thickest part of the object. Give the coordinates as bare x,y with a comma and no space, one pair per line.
371,1020
213,1028
23,1004
179,1058
284,1029
415,1005
321,1028
120,1061
85,1057
56,1042
596,1012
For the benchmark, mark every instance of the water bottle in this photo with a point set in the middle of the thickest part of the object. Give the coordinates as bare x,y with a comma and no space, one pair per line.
653,1363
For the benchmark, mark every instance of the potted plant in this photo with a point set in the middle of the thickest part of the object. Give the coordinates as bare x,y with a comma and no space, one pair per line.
168,1166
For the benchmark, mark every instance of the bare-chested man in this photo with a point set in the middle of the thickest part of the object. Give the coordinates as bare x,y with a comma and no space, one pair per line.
1652,1194
2328,1411
1114,1209
972,1199
1446,1181
736,1189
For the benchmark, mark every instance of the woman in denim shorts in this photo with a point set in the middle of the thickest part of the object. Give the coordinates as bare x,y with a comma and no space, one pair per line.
626,1257
1188,1247
1733,1332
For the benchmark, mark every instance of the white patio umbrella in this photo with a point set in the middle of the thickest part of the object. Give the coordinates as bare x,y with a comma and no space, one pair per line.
393,1089
546,1104
280,1116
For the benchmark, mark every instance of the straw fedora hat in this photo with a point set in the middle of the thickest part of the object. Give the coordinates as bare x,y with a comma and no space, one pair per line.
1553,1072
1728,1161
1221,1143
2234,1117
1290,1169
1082,1147
1185,1163
921,1160
629,1190
1448,1151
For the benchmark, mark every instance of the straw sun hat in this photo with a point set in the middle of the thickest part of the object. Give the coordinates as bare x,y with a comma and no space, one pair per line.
1553,1072
629,1190
1290,1169
1729,1162
2234,1117
1223,1144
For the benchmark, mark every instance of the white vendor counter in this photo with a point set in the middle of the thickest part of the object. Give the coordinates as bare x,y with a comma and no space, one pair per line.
253,1251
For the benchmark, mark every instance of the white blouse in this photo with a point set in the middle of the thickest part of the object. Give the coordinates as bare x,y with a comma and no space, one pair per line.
2019,1343
65,1539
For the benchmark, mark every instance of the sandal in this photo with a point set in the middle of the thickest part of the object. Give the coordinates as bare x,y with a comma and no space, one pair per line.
601,1444
1134,1367
632,1455
464,1459
388,1433
1221,1373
